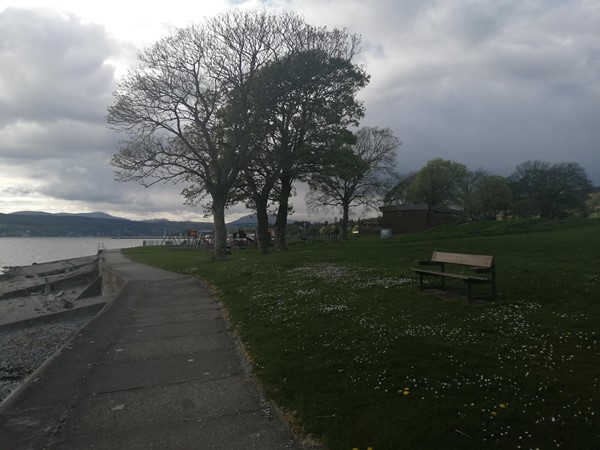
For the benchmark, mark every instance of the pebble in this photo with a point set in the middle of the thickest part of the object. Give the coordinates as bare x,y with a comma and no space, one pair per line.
22,351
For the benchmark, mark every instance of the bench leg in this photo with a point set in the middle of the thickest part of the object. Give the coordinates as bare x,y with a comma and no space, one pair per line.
490,296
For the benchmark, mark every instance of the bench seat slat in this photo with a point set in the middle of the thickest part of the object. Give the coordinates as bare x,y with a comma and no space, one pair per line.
453,275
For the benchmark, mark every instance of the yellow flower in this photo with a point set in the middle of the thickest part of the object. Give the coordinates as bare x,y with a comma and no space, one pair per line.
502,405
493,413
406,392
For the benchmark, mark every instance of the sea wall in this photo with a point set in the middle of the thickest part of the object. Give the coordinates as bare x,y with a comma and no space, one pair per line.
111,282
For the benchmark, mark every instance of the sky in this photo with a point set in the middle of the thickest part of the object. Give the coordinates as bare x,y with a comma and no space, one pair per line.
489,84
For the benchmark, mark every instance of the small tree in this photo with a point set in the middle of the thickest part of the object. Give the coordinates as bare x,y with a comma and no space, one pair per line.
358,175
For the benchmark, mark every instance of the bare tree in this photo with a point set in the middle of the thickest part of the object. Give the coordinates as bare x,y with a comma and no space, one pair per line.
190,107
358,175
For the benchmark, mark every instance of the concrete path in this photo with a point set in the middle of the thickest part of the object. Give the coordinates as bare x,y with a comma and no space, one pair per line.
157,368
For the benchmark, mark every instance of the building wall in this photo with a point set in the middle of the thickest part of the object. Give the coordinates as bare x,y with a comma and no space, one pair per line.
410,221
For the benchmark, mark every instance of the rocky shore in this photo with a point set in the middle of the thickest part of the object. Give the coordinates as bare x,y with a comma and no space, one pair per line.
41,307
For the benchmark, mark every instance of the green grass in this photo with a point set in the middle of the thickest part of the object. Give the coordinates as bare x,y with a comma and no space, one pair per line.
337,332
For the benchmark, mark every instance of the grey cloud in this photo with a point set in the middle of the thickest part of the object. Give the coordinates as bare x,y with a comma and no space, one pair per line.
90,180
53,68
63,137
18,190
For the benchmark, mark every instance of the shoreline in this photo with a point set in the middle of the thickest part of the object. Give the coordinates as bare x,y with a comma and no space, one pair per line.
20,251
27,292
41,307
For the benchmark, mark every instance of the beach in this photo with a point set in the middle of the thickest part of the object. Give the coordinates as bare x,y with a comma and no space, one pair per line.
41,307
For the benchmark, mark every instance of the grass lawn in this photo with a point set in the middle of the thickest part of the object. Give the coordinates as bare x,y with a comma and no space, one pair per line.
343,340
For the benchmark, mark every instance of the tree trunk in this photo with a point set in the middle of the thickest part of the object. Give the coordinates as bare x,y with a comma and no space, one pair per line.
220,232
345,220
262,228
282,213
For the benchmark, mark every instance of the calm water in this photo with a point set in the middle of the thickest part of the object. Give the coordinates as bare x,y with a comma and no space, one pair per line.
26,251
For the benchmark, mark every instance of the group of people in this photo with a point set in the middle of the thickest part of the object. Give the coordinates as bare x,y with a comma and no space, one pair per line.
241,239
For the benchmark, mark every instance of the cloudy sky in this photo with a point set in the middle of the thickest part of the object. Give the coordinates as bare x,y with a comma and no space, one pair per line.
489,84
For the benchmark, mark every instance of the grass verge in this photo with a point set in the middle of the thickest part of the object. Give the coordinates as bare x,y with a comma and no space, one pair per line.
341,337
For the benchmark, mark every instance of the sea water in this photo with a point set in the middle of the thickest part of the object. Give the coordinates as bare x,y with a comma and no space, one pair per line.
26,251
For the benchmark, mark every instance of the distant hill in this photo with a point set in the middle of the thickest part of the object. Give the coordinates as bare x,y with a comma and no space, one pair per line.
43,224
94,215
249,221
30,213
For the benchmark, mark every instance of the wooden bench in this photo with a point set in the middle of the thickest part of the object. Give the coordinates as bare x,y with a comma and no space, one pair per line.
482,265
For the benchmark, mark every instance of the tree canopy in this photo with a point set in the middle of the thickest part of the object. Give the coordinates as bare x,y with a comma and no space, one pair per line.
549,190
320,88
438,183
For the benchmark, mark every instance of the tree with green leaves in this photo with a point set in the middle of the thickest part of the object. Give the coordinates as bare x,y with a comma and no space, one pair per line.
467,191
356,175
439,183
491,196
549,190
319,86
314,117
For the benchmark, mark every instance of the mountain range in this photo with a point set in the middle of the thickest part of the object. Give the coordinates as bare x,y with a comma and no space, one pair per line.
96,224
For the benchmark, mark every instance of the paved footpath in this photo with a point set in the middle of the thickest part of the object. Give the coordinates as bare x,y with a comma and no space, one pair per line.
157,368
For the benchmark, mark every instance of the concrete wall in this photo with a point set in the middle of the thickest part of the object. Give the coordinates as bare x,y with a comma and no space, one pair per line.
111,283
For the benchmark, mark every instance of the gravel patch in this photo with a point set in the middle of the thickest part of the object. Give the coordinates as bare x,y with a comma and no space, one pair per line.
22,351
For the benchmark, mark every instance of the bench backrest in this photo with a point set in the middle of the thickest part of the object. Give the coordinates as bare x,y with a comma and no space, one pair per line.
464,259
